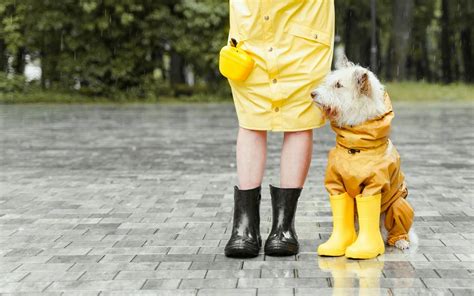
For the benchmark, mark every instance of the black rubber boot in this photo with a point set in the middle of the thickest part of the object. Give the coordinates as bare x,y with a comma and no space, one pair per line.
282,240
245,241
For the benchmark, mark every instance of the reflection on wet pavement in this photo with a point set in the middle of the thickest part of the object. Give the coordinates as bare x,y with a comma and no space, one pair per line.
347,273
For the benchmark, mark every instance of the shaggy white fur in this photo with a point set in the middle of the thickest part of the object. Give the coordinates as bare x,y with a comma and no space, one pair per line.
350,95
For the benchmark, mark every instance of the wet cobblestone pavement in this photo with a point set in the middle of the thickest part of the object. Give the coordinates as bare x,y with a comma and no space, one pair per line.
137,200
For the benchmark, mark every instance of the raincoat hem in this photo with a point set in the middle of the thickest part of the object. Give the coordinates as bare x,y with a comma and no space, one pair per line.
299,129
392,240
339,196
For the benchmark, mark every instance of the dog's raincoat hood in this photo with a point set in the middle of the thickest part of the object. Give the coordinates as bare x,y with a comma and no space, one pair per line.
372,133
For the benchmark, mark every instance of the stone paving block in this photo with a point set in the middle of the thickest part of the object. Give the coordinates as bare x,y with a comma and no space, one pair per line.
173,258
26,259
233,265
129,251
55,267
98,276
415,273
341,291
49,276
183,250
229,292
276,292
161,284
24,287
455,273
208,283
160,292
461,292
75,259
449,283
124,285
283,283
420,291
441,257
162,274
224,274
175,265
23,252
117,258
10,277
278,273
114,266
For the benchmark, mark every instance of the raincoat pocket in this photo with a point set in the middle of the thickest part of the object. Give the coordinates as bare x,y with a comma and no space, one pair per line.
309,33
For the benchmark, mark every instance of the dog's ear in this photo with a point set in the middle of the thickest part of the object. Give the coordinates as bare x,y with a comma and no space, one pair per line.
363,83
343,62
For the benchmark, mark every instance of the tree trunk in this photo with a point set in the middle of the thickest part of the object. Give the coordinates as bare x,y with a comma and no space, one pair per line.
467,49
402,12
425,71
19,61
373,36
3,57
176,69
350,25
446,39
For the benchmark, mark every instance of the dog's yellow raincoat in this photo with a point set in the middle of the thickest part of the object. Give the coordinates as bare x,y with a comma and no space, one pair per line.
365,162
291,42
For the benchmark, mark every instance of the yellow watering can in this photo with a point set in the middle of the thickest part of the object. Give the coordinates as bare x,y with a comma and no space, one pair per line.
234,62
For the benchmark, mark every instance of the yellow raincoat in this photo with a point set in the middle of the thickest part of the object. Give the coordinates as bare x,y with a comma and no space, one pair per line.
365,162
291,42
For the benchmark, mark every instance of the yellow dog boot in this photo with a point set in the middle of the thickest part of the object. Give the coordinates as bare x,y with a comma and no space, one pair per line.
369,243
343,230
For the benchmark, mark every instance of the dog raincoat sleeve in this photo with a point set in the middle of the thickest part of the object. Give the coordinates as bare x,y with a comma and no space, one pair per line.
292,45
366,162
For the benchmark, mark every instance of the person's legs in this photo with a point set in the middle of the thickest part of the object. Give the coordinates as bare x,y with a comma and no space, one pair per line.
295,161
295,158
245,240
251,156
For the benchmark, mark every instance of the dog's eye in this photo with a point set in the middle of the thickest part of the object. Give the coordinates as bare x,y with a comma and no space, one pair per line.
338,85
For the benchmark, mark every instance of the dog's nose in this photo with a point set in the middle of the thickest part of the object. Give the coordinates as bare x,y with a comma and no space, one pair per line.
314,94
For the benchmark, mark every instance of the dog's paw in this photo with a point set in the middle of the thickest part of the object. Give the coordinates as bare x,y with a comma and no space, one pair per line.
402,244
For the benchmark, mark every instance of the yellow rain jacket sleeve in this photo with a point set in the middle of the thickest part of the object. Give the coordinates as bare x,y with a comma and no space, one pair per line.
366,162
291,42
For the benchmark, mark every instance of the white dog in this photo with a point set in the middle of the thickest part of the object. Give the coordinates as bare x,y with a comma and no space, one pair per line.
351,95
360,111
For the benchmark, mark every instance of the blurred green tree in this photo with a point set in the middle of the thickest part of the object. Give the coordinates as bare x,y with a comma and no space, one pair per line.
151,47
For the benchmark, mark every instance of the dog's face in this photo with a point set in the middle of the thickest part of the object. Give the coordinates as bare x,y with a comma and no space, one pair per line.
350,95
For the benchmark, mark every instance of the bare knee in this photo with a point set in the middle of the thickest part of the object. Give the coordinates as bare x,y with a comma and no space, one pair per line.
249,133
251,156
299,134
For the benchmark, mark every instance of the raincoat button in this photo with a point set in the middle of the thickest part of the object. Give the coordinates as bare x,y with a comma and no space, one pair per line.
277,109
315,36
275,81
353,151
270,49
266,17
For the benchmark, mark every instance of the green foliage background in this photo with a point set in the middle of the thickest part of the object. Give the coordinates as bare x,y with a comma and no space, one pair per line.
146,48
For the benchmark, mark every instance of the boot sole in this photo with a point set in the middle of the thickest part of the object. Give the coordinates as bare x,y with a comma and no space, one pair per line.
364,255
281,249
241,250
331,254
